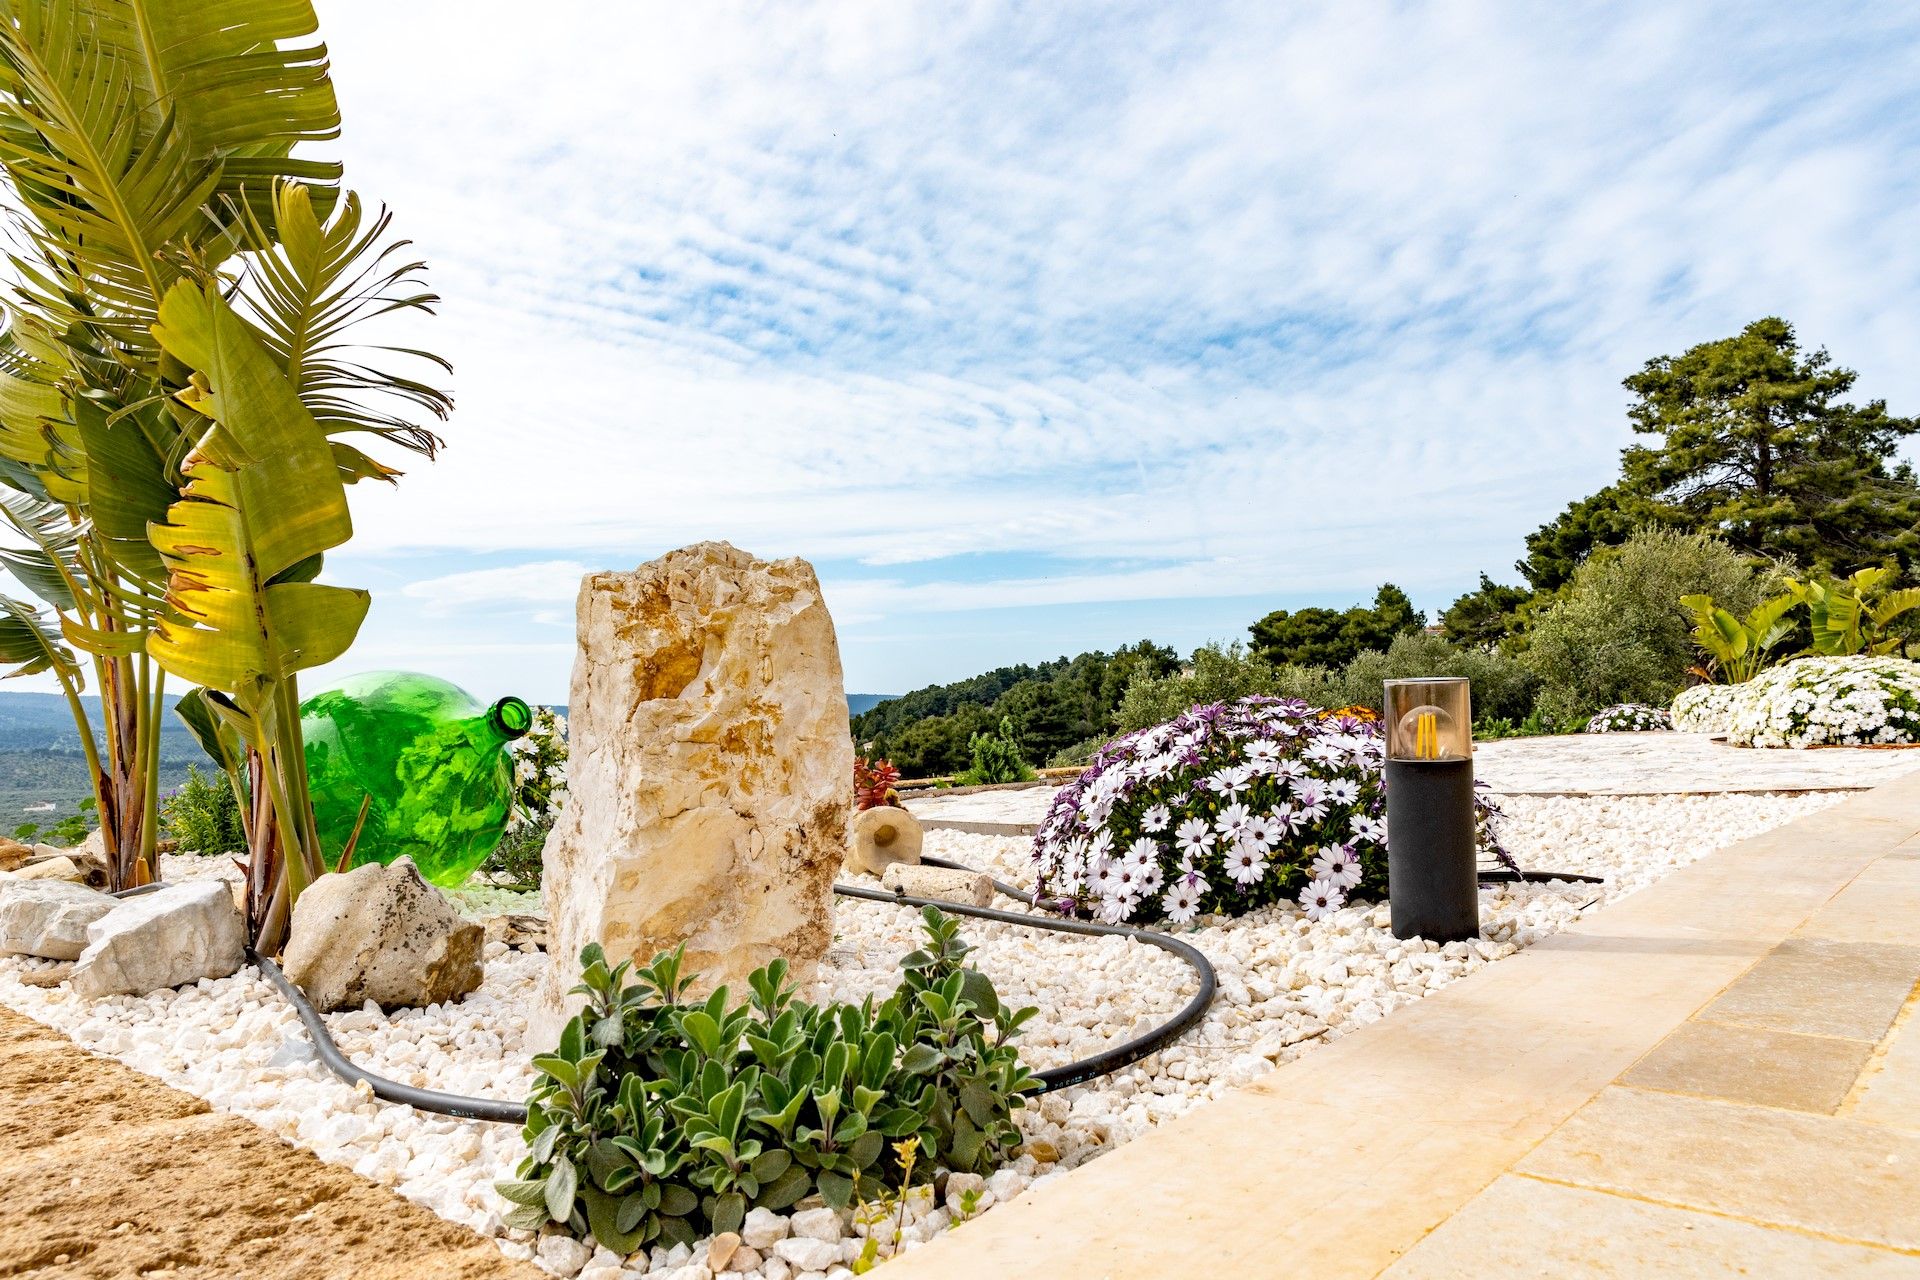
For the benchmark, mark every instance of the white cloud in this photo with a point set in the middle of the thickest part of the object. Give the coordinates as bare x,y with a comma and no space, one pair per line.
1269,295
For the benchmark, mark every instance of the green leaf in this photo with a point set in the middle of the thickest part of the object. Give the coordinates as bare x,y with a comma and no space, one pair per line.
835,1188
677,1202
919,1059
261,496
603,1217
729,1211
526,1217
786,1189
978,1100
528,1192
30,642
562,1184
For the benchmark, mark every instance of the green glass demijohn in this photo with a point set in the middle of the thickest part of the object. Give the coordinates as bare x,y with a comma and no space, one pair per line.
433,761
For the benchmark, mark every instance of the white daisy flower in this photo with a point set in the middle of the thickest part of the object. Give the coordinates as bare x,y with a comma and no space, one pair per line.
1194,838
1246,863
1233,820
1321,899
1155,818
1181,903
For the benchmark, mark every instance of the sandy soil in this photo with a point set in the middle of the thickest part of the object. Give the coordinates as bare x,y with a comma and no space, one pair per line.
106,1173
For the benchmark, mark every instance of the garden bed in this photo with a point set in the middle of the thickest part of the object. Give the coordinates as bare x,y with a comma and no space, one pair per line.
1286,985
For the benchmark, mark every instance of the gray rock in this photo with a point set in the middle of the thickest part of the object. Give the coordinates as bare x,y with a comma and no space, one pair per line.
882,836
48,917
949,885
179,934
381,933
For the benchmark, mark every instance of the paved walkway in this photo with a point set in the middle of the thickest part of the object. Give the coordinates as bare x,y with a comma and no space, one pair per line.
1717,1076
1575,764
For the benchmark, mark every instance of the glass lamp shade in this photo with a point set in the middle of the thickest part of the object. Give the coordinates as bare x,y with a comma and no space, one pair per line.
1429,719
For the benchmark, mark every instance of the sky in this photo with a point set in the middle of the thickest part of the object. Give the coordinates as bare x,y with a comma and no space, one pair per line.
1041,328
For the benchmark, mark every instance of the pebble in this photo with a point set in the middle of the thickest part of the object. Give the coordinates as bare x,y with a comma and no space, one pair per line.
1288,984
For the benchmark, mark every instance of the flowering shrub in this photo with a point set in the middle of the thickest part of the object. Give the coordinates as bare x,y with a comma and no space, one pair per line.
873,783
1834,701
1232,806
1705,708
540,768
1629,717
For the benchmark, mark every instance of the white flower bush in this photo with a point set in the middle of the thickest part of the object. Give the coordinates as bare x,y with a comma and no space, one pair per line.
1705,708
1811,702
1232,806
1629,717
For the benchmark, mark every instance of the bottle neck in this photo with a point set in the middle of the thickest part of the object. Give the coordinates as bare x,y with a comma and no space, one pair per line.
509,718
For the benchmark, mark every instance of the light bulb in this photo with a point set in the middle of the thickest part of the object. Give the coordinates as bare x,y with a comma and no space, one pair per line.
1426,733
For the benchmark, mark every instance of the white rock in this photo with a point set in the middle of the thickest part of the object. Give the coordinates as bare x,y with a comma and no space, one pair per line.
708,773
380,933
562,1255
59,868
181,933
48,918
764,1228
775,1268
817,1224
939,882
881,836
804,1254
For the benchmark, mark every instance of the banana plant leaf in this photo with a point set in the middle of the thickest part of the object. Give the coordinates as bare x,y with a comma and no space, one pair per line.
30,642
262,497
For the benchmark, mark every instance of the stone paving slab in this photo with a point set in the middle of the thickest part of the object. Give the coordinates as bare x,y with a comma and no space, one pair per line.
1366,1153
1573,764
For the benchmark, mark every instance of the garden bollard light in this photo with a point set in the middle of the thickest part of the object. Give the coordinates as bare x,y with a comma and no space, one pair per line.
1433,886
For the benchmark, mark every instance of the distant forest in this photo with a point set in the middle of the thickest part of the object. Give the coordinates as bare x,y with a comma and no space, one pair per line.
1053,706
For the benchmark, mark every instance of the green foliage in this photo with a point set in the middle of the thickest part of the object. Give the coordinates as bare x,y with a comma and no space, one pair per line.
515,861
1326,638
1751,441
996,758
663,1119
1737,649
1854,614
1501,685
1486,615
1054,706
1619,633
203,815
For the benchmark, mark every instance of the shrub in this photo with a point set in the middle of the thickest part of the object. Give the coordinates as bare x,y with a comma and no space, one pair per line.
1705,708
1629,717
540,768
1620,634
1502,687
662,1119
996,758
203,816
1229,807
1831,701
873,783
516,861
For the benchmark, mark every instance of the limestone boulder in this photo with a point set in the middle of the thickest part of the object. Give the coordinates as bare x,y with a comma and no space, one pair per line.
709,763
879,837
48,918
57,868
14,854
173,936
945,883
381,933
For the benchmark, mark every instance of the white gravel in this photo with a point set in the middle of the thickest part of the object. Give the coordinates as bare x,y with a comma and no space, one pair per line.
1286,984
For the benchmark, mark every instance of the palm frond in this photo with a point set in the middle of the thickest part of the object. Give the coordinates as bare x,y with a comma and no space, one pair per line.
306,291
30,642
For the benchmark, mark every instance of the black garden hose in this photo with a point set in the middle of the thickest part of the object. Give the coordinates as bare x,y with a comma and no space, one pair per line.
504,1112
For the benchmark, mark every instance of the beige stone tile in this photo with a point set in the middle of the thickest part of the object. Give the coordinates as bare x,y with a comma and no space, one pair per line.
1349,1155
1889,1090
1525,1227
1819,987
1754,1065
1881,905
1835,1176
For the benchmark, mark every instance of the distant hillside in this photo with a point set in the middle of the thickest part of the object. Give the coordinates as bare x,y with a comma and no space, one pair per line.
42,722
858,702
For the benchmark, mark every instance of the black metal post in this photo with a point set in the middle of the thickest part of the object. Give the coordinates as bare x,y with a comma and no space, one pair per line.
1433,884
